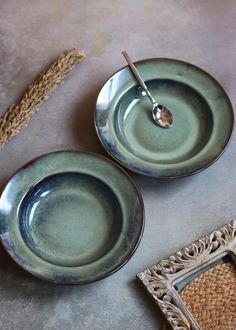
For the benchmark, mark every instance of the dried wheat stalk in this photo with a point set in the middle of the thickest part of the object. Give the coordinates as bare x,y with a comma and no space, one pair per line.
17,116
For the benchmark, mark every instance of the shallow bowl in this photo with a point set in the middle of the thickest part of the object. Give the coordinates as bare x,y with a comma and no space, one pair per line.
202,112
71,217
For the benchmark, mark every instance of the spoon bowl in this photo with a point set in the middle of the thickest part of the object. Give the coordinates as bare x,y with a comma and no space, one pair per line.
162,115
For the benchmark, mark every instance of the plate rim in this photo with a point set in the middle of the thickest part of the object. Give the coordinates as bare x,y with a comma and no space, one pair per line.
163,177
116,267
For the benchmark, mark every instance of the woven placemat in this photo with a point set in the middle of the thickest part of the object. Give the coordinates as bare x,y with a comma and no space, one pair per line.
211,298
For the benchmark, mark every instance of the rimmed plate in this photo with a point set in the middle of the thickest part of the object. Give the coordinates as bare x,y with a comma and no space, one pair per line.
203,119
71,217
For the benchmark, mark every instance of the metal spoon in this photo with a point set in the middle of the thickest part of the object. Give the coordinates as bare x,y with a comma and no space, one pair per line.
160,114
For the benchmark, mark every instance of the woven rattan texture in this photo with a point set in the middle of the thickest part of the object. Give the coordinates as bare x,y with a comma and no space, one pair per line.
211,298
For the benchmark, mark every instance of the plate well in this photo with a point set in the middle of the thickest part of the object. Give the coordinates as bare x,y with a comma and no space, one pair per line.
70,219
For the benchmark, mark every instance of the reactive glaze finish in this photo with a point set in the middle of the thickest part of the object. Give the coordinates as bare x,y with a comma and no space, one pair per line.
71,217
201,108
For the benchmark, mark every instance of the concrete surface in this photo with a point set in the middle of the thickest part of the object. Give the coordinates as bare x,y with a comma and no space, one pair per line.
32,33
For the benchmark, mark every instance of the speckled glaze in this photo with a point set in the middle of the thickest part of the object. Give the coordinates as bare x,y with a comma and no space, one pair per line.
203,119
71,217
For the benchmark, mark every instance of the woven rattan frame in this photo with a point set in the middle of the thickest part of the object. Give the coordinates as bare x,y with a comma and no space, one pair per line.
163,280
211,298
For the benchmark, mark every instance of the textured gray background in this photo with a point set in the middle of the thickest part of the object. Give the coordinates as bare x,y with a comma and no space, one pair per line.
32,33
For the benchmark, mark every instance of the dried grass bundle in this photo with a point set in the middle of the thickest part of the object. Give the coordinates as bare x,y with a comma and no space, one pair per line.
17,116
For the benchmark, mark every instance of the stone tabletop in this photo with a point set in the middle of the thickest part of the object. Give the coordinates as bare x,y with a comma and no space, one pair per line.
32,34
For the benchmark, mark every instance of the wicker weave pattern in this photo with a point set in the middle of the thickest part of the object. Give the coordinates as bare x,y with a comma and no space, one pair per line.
211,298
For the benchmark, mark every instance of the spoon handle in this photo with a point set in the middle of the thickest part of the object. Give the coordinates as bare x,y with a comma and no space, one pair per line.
134,70
137,76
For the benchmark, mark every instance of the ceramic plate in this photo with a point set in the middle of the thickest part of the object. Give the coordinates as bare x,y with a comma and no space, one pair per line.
203,119
71,217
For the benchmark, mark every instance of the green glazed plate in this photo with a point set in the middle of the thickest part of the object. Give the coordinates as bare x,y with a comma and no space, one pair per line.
71,217
203,119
